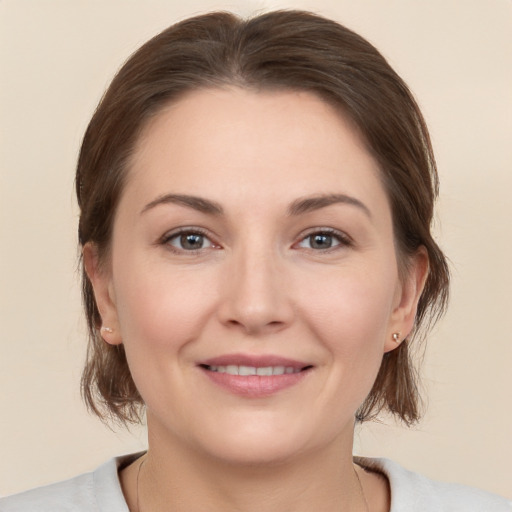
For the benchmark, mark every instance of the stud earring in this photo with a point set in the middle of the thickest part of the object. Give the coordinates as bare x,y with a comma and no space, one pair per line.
106,329
396,337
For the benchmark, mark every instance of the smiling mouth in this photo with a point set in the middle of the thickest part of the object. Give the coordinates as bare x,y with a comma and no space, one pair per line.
254,376
257,380
246,371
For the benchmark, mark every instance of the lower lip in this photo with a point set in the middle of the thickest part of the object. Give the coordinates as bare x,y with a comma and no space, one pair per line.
255,386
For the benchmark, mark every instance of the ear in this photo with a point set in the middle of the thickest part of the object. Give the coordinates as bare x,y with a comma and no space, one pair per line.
101,280
406,299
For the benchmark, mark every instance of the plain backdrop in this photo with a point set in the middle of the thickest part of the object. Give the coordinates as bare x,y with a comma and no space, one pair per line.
56,59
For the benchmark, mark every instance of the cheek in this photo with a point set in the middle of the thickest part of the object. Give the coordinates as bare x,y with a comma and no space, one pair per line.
159,316
352,310
350,316
160,308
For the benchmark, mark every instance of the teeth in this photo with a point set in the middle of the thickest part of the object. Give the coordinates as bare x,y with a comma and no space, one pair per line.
232,369
279,370
246,370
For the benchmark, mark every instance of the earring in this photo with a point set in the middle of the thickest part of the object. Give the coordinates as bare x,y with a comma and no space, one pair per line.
106,329
396,337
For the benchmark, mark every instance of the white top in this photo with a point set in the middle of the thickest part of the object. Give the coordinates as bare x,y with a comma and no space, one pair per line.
100,491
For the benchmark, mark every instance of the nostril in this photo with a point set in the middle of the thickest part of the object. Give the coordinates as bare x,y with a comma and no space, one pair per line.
255,309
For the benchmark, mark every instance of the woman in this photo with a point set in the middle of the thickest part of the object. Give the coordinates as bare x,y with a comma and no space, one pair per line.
256,199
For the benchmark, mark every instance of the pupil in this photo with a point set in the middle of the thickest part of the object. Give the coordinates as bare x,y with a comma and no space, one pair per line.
191,241
321,241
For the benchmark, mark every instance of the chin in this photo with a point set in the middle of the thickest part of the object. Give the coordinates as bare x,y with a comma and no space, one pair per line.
259,451
262,440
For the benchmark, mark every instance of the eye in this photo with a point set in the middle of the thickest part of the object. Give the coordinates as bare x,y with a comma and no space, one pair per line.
324,240
189,240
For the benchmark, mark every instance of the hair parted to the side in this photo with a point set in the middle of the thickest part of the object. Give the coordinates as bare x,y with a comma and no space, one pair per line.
292,50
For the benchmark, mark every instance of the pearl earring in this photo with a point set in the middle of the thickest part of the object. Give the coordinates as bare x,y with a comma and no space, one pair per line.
396,337
106,329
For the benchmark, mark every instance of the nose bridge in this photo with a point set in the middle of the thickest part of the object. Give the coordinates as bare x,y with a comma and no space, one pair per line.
255,296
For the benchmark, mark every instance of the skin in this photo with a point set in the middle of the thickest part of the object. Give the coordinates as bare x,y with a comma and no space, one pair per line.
257,284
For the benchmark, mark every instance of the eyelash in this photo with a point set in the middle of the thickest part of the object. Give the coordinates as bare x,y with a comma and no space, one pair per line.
188,231
342,239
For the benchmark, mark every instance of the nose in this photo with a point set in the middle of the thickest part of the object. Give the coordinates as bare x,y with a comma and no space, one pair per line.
255,298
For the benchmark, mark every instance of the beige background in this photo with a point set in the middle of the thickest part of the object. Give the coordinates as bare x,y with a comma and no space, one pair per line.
56,58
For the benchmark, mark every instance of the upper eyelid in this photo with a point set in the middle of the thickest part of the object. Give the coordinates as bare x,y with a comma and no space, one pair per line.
331,231
168,236
166,240
186,229
345,242
342,235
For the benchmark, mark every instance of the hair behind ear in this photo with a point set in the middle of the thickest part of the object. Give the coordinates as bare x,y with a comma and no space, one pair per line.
395,389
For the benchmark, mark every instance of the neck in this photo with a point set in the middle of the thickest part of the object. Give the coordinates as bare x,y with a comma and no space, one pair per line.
175,478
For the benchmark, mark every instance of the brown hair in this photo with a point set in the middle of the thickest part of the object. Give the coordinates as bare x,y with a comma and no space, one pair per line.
277,50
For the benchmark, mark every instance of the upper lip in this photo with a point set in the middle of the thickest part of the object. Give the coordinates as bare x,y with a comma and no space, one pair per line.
256,361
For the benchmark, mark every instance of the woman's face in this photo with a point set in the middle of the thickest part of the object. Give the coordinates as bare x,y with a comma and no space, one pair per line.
253,236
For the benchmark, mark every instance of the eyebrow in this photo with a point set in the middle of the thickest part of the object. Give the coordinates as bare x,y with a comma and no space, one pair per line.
197,203
309,204
297,207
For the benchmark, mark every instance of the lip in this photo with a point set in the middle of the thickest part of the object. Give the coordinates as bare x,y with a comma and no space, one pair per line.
258,361
255,386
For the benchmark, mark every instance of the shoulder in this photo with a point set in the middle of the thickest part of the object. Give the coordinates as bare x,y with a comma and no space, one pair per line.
411,491
75,494
97,491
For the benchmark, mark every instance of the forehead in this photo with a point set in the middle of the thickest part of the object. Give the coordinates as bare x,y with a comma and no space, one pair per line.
272,144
